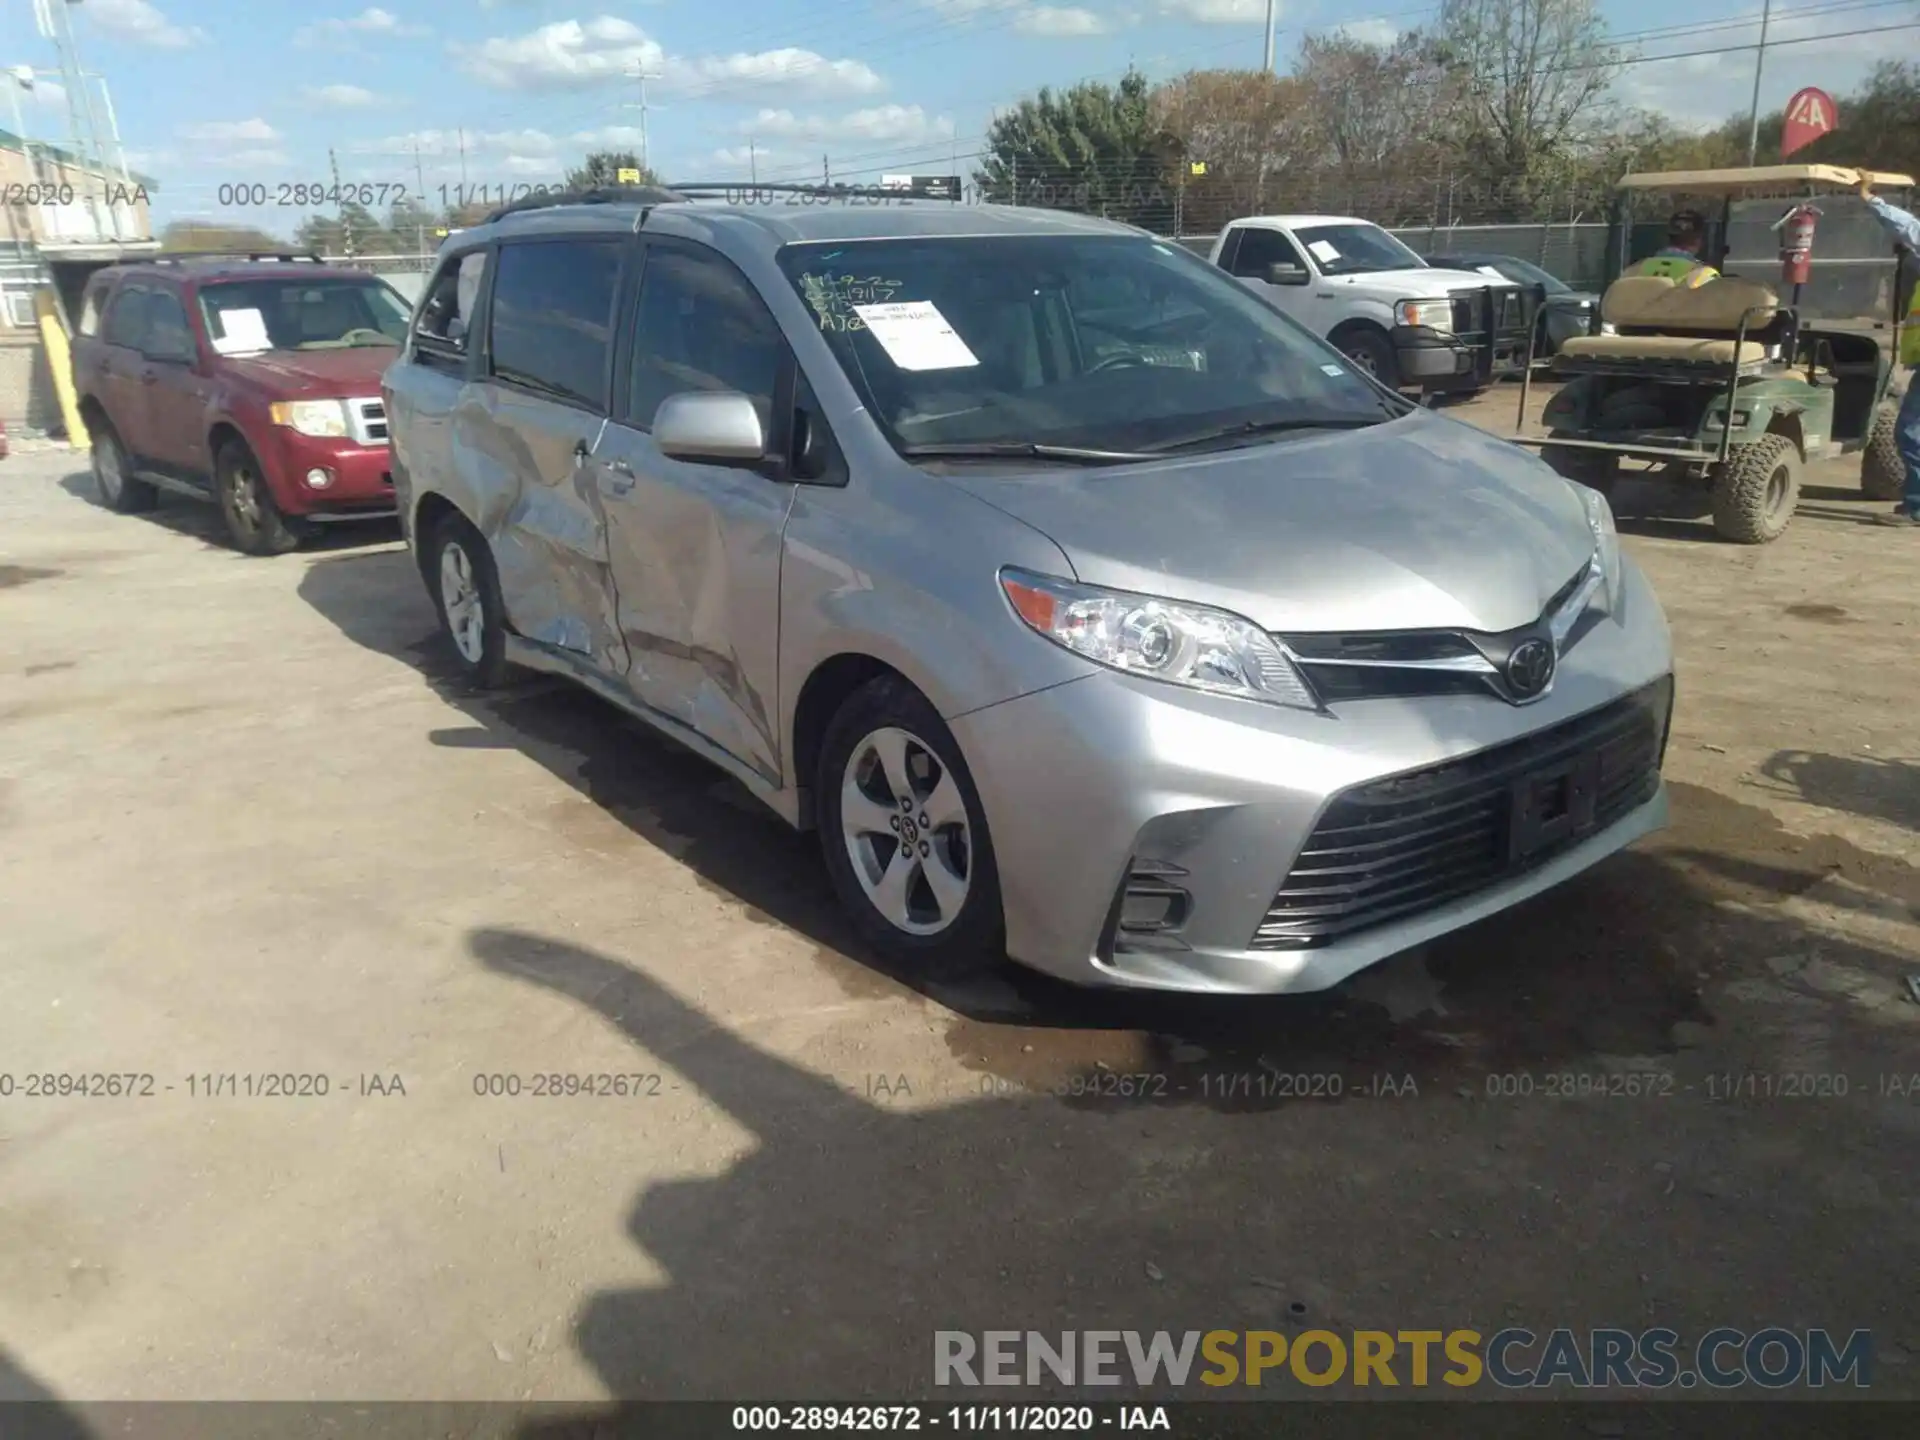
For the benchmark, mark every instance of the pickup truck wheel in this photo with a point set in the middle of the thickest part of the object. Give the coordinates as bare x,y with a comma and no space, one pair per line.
1755,491
253,520
120,491
1371,352
1883,474
904,834
466,590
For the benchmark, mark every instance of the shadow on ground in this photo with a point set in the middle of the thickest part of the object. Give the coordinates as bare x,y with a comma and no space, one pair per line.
200,520
1873,786
1610,964
30,1411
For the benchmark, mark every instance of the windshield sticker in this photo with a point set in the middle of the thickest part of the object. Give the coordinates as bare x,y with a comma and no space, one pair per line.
246,331
1323,252
916,336
1331,370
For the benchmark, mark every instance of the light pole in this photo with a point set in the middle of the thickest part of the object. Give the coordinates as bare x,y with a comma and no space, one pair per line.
1269,64
1759,61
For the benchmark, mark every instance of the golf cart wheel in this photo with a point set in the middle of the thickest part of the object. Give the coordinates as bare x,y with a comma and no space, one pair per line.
1883,474
1755,490
1595,469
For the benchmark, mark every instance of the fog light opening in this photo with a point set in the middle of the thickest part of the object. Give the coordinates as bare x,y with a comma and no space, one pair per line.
1151,907
319,479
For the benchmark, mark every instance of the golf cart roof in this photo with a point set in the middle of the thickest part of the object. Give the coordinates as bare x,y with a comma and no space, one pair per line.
1764,178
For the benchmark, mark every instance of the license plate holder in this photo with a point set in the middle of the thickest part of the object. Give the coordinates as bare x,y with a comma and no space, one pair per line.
1552,805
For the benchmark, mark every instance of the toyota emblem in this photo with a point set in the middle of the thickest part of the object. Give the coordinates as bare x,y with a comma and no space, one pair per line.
1530,669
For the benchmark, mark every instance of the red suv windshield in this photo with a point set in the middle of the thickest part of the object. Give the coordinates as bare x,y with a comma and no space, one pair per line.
245,317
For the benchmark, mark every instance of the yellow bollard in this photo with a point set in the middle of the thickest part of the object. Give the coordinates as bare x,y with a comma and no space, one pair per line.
53,335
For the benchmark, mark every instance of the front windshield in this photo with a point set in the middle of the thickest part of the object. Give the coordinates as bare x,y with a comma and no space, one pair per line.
1110,342
247,316
1356,250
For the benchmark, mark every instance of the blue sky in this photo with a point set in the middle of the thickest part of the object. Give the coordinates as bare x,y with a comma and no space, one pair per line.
214,92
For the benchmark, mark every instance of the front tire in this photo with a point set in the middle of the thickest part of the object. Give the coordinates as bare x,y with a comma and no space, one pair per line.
1372,353
254,521
1883,474
466,591
120,490
904,834
1755,491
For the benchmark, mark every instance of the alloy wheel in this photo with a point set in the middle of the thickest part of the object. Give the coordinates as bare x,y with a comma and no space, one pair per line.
460,598
244,490
904,822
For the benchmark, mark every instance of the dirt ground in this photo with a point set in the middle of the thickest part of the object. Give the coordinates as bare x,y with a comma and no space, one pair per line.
249,828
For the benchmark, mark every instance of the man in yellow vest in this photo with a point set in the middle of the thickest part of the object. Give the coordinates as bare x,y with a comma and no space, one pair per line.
1680,259
1905,230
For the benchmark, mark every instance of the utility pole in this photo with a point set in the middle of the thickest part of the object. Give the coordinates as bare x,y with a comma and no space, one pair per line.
640,74
753,165
346,230
462,134
420,207
1759,60
826,175
1268,66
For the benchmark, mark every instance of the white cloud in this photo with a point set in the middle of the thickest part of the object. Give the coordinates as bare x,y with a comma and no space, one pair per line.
1369,32
1059,20
573,55
142,23
1218,12
258,158
371,21
223,132
342,97
903,124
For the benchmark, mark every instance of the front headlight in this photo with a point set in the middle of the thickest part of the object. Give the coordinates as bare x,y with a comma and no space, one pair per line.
1600,586
319,418
1182,644
1434,314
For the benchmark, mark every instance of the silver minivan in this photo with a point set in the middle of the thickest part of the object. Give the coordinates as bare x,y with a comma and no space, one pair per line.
1089,608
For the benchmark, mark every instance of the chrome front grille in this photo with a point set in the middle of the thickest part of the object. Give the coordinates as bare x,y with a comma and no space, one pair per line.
367,421
1396,847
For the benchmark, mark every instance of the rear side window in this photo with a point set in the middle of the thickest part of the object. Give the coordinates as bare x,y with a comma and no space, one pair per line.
127,317
552,316
90,308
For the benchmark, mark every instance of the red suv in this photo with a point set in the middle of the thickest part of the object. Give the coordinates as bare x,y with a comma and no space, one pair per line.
249,380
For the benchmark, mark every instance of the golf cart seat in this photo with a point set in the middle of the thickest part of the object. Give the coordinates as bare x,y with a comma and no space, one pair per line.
1669,326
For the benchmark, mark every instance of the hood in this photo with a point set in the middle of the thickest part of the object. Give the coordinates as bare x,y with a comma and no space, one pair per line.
316,374
1419,523
1417,283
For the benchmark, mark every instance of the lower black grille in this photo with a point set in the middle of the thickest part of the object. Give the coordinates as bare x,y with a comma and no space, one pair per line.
1392,848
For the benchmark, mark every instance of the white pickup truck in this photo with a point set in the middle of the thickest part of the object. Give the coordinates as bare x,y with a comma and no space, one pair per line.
1395,316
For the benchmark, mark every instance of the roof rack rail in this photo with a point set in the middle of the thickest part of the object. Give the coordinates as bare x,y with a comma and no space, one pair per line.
706,189
596,195
167,257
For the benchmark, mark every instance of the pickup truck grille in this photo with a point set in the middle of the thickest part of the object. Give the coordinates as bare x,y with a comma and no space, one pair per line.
367,421
1393,848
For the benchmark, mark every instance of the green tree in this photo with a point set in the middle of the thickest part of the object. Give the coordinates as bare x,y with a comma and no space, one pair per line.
1095,148
350,228
602,169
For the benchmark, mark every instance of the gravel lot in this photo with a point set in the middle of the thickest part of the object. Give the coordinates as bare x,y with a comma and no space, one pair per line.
251,828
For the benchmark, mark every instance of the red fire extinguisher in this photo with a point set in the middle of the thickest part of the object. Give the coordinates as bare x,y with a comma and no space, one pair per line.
1796,244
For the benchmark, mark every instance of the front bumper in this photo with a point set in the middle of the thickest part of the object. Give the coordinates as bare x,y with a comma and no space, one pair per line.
360,477
1111,782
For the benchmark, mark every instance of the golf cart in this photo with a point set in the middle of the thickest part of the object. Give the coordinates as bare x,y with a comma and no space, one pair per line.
1727,384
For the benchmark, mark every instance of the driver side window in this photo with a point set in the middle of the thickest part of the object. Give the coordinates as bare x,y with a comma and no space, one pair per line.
1260,250
168,337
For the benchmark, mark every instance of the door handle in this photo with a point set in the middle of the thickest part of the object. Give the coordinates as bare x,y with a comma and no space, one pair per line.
620,477
149,376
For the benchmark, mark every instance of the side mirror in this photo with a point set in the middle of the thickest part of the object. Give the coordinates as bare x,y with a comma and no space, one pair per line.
1281,273
718,427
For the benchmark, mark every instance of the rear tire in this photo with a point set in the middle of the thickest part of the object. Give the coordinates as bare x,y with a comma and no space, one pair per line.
1755,490
1883,474
466,591
905,836
254,521
120,491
